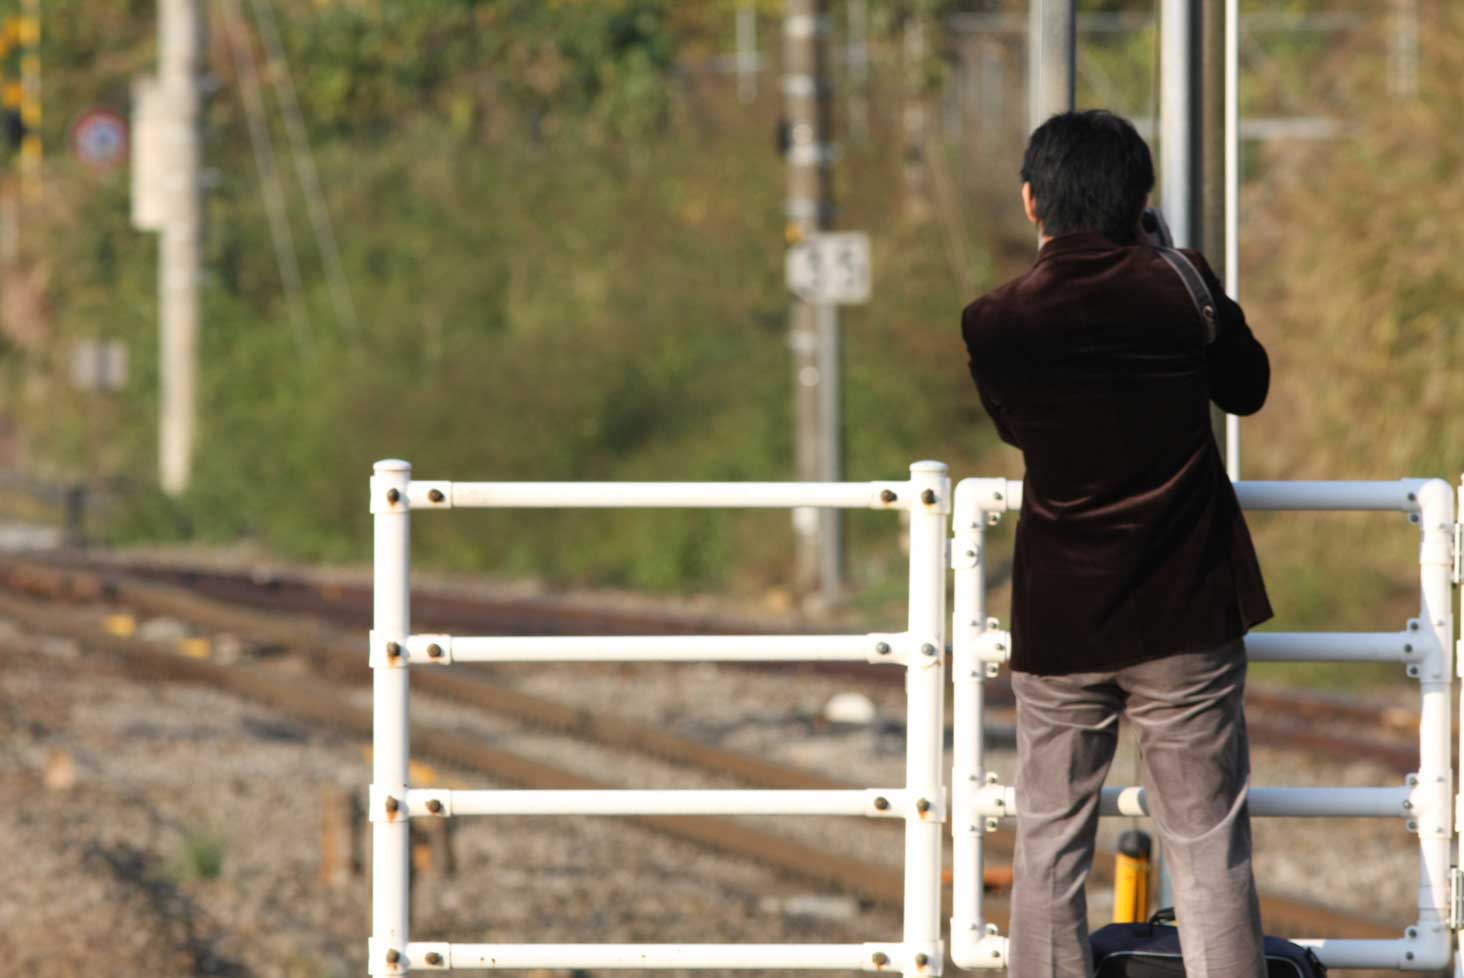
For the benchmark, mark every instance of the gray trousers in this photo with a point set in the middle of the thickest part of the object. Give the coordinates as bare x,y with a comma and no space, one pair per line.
1196,761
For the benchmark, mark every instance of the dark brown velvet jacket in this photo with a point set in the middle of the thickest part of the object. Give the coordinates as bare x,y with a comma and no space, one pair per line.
1131,545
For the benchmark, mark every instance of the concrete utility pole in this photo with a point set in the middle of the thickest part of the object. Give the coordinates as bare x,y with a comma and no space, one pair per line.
1052,58
180,55
915,115
814,329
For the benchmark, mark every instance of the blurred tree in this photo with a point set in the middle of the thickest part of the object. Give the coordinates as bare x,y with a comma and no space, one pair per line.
605,63
561,229
1373,298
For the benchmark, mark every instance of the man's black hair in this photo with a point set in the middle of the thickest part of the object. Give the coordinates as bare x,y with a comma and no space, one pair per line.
1089,171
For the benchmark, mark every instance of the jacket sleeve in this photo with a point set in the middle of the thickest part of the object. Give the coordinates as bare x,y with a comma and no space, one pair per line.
980,361
1239,370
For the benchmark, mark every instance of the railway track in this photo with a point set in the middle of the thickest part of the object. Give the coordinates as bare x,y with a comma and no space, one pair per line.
337,657
1282,719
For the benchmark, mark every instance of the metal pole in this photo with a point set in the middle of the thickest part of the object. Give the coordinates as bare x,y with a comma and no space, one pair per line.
180,46
1179,120
1232,201
808,91
1180,157
1052,57
968,754
1458,941
830,463
1433,820
390,748
925,697
1214,184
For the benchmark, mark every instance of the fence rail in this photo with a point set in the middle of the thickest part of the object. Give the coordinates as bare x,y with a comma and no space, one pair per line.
1426,645
978,802
920,648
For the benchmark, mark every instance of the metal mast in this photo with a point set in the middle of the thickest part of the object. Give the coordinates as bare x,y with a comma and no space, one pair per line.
1052,53
1213,178
814,329
1193,137
1231,269
1179,119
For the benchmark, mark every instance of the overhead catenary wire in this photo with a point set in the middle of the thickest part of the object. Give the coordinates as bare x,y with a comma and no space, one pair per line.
281,235
304,162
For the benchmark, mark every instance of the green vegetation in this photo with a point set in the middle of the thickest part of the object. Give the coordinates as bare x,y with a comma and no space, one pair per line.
554,282
200,858
563,234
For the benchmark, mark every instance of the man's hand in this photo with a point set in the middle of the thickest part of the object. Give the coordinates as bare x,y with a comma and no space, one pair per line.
1153,230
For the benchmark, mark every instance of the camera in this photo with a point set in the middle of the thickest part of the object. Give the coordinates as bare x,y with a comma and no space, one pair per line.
1153,229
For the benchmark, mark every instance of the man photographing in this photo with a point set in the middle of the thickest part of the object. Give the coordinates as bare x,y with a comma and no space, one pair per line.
1134,579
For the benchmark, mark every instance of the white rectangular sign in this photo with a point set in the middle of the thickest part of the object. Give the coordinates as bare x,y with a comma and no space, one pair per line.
830,268
99,365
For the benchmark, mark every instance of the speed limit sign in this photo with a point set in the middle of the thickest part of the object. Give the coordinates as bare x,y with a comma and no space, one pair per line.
830,268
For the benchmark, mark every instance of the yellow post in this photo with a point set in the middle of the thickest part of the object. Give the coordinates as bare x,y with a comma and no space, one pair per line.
1131,877
29,36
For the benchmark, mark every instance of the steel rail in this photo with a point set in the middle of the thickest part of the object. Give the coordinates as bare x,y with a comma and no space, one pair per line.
1283,719
309,699
232,603
338,658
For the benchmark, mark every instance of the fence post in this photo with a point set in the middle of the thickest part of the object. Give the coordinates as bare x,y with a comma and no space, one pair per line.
1433,791
968,676
925,722
391,624
1457,942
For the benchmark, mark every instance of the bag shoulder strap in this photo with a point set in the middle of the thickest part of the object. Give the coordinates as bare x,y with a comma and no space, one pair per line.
1195,284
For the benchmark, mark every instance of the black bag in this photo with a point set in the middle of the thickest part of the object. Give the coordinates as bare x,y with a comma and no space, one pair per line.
1152,951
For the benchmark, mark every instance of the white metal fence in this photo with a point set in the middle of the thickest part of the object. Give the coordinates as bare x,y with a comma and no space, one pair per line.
919,649
1426,645
1426,801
